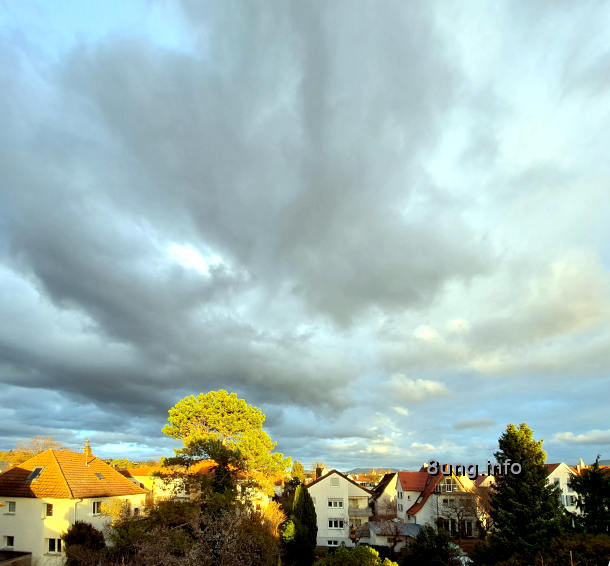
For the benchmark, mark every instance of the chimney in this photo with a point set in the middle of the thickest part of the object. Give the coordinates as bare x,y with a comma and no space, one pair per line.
87,452
318,472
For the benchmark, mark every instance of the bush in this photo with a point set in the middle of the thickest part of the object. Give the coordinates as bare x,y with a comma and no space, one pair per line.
83,543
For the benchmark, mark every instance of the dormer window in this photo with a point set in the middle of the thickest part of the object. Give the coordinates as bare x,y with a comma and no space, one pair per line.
34,474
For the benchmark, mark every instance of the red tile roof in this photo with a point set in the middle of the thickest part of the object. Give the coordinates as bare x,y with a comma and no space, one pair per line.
65,475
427,490
550,468
413,481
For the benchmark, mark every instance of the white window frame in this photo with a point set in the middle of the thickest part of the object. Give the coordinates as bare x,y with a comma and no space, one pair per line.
97,508
10,504
333,543
48,507
335,503
336,523
334,482
5,541
57,544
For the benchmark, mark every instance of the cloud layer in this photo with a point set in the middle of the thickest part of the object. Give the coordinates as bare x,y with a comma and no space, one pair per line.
385,230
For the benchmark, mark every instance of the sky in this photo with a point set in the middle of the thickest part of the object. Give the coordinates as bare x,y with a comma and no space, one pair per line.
385,224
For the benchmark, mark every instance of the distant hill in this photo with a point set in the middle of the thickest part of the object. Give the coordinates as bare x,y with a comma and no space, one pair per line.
604,462
370,470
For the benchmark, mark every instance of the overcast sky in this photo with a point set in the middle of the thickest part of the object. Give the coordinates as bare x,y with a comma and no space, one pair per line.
385,224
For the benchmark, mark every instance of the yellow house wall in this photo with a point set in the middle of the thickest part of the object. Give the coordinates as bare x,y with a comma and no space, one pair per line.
31,528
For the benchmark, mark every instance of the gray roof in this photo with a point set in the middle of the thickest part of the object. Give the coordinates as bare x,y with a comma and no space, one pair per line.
392,528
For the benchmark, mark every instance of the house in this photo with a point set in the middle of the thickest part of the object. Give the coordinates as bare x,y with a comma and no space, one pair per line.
46,494
341,507
559,475
448,501
384,496
390,533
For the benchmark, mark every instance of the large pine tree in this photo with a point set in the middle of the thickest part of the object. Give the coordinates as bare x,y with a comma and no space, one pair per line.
526,510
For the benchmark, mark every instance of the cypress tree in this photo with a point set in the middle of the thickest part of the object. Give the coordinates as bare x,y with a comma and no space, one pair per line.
526,510
300,550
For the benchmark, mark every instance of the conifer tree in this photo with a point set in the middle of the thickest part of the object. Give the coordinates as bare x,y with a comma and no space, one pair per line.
593,488
302,543
526,510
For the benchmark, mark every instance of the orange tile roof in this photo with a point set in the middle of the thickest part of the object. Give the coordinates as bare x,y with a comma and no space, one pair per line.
65,475
550,468
427,491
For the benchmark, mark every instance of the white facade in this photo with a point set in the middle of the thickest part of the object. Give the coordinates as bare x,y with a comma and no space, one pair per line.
36,525
561,477
341,505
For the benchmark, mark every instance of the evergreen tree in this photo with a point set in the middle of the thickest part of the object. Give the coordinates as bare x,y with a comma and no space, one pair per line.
526,510
301,536
593,488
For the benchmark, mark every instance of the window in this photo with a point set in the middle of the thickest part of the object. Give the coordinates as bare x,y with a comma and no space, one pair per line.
408,497
136,511
9,541
12,505
54,545
333,543
335,523
48,510
557,482
97,507
334,482
400,506
34,474
400,495
335,502
100,476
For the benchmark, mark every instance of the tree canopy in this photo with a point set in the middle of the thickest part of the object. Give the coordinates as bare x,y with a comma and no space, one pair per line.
593,488
526,510
219,416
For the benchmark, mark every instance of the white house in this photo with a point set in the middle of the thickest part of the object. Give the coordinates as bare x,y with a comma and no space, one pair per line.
446,500
560,475
341,506
46,494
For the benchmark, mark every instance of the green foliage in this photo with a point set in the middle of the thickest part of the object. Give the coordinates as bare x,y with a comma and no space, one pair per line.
525,510
300,537
229,464
359,556
81,541
431,547
593,488
298,471
229,420
586,550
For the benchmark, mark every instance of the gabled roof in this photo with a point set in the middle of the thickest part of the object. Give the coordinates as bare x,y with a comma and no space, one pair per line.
428,490
550,468
413,481
383,483
65,475
368,491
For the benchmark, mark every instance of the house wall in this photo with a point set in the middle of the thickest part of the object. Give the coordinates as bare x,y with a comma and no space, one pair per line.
386,503
324,491
30,527
563,474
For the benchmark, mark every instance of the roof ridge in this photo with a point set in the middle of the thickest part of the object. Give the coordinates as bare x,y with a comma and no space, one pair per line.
61,473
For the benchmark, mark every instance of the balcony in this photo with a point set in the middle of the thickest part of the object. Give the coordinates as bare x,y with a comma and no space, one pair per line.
353,512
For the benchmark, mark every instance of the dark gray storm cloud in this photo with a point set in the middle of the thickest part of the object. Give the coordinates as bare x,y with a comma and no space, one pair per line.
269,205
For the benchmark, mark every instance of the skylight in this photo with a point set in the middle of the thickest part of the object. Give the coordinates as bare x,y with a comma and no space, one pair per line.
100,476
34,474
